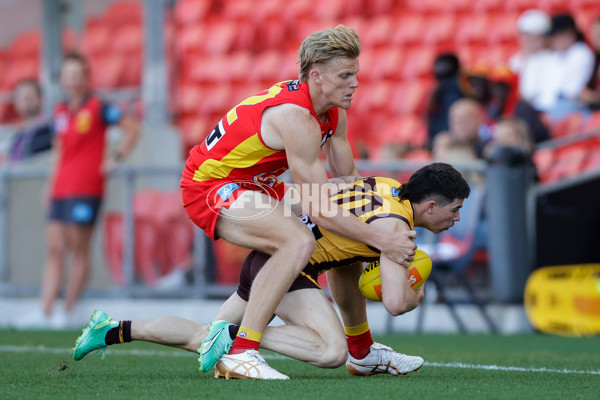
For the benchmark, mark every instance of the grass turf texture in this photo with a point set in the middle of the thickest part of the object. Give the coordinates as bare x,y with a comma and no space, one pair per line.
159,372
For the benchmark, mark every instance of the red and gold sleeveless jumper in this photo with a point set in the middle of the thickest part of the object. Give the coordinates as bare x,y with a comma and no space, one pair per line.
234,158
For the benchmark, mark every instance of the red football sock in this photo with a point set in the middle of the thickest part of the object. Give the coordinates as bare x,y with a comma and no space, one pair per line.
246,339
359,340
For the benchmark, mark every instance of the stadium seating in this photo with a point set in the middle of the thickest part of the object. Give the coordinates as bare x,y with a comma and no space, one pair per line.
191,12
569,162
163,236
244,46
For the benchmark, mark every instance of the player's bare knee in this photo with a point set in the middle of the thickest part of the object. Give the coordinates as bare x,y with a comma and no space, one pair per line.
300,248
334,356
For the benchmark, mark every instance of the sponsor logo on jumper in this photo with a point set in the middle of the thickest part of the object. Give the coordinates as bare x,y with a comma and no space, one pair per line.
326,137
255,206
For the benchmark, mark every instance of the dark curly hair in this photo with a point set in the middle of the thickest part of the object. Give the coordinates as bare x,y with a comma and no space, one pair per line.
438,180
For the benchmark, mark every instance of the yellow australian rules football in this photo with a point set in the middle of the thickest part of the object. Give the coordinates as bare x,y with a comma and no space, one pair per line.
418,272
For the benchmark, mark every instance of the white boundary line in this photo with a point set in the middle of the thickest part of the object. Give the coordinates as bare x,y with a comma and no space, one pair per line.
156,353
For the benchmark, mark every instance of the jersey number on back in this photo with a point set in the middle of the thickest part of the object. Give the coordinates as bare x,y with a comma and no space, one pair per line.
219,130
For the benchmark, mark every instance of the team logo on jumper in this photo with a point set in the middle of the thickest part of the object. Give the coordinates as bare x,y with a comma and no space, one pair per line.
251,200
293,85
83,121
269,178
395,191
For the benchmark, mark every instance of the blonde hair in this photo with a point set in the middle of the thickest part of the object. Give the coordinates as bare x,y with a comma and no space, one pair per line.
323,46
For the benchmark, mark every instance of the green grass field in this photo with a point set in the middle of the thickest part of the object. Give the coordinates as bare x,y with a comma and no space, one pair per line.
36,365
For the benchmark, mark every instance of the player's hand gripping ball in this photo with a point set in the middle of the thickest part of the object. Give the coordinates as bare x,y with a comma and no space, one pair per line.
418,272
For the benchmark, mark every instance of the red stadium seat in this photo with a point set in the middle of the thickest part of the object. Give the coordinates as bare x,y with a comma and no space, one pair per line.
96,37
215,100
552,6
26,45
189,12
189,97
368,61
7,113
219,37
593,123
132,74
190,39
124,12
408,30
373,8
70,40
488,6
229,258
107,70
328,10
193,131
569,162
585,19
273,35
372,97
439,29
439,6
472,28
520,5
502,28
378,32
388,65
418,62
18,69
290,68
163,236
206,69
128,39
175,232
409,97
573,123
409,129
593,160
266,67
246,36
543,159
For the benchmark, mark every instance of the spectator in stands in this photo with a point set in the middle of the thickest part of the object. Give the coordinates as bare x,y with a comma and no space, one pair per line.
513,133
503,93
533,56
35,133
451,86
76,185
590,95
466,138
529,64
568,71
467,127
